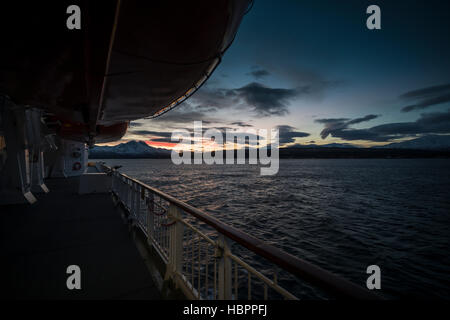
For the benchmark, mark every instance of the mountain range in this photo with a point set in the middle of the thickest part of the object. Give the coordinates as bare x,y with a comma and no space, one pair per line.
140,149
130,149
429,142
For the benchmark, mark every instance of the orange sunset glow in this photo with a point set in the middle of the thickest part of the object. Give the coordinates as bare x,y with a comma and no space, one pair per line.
158,144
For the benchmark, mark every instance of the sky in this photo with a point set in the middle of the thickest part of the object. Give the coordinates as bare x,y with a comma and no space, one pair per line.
314,70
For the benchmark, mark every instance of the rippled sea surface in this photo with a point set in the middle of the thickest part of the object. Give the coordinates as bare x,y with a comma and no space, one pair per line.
342,215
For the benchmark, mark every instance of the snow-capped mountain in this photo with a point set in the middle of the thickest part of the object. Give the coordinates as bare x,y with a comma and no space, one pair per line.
131,149
430,142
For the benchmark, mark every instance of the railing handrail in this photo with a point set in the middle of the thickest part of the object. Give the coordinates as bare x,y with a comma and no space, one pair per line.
304,270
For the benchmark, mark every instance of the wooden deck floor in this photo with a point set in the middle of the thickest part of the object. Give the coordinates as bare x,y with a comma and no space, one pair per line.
38,242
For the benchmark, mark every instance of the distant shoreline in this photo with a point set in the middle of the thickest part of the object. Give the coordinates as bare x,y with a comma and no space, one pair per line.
314,153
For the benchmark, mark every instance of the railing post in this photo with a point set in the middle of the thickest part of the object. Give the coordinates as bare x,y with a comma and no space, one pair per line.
116,183
137,201
175,245
225,281
122,190
131,205
150,201
140,199
130,195
126,190
176,235
132,198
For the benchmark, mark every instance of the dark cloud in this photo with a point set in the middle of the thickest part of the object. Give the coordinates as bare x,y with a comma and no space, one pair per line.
427,103
332,120
165,136
357,134
427,97
425,92
207,98
262,100
288,134
266,101
246,137
150,133
334,125
241,124
429,123
363,119
223,129
258,74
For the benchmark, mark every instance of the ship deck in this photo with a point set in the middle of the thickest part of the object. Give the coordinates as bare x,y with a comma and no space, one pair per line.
39,242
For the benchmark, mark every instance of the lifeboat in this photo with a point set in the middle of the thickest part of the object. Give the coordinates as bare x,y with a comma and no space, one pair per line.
130,59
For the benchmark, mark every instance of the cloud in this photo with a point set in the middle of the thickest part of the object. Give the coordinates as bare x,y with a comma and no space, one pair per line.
288,134
363,119
258,74
257,99
425,92
165,136
337,125
427,97
261,100
266,101
314,83
428,123
241,124
246,137
151,133
211,99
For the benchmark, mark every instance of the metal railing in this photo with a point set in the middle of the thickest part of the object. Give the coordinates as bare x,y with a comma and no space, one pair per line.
199,250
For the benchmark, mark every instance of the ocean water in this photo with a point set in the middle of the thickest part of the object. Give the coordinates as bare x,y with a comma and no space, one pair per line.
341,214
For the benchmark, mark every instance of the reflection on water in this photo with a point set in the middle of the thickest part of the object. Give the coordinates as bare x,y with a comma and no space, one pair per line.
340,214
